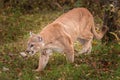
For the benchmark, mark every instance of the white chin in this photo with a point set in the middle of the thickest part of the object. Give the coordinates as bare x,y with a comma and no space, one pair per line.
31,54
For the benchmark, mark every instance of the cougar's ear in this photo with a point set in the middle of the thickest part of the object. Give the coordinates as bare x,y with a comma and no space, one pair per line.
40,39
31,34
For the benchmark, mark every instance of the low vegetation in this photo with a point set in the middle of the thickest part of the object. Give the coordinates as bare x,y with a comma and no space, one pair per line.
102,64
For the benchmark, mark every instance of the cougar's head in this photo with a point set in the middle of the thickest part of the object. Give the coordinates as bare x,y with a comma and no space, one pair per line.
35,44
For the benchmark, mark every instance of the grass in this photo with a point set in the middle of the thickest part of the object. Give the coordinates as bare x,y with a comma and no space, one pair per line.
102,64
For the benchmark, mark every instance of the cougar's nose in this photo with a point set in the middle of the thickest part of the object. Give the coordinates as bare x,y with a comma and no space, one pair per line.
27,51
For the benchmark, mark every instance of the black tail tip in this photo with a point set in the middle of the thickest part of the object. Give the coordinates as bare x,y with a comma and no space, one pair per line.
105,28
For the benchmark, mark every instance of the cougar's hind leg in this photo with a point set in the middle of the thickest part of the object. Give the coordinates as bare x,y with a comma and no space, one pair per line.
86,42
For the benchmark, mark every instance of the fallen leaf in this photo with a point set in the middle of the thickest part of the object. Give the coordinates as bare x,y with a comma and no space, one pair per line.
23,54
5,69
38,78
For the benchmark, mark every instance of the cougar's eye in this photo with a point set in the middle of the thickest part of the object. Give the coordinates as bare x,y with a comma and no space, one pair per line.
31,45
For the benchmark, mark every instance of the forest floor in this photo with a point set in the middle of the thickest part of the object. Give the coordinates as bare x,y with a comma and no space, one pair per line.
102,64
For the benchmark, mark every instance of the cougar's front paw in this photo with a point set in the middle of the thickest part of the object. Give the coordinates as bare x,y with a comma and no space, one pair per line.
37,70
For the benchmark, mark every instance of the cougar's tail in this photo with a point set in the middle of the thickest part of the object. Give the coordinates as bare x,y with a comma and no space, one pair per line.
102,32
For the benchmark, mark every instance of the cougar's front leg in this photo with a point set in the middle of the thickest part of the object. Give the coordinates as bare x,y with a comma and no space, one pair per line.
69,51
43,60
70,54
68,48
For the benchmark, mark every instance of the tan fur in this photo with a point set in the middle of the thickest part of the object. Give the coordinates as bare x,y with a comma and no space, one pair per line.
77,24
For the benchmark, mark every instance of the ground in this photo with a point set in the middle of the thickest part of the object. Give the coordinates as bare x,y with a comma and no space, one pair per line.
102,64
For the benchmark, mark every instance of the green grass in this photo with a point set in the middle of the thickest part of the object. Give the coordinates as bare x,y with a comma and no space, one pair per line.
102,64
